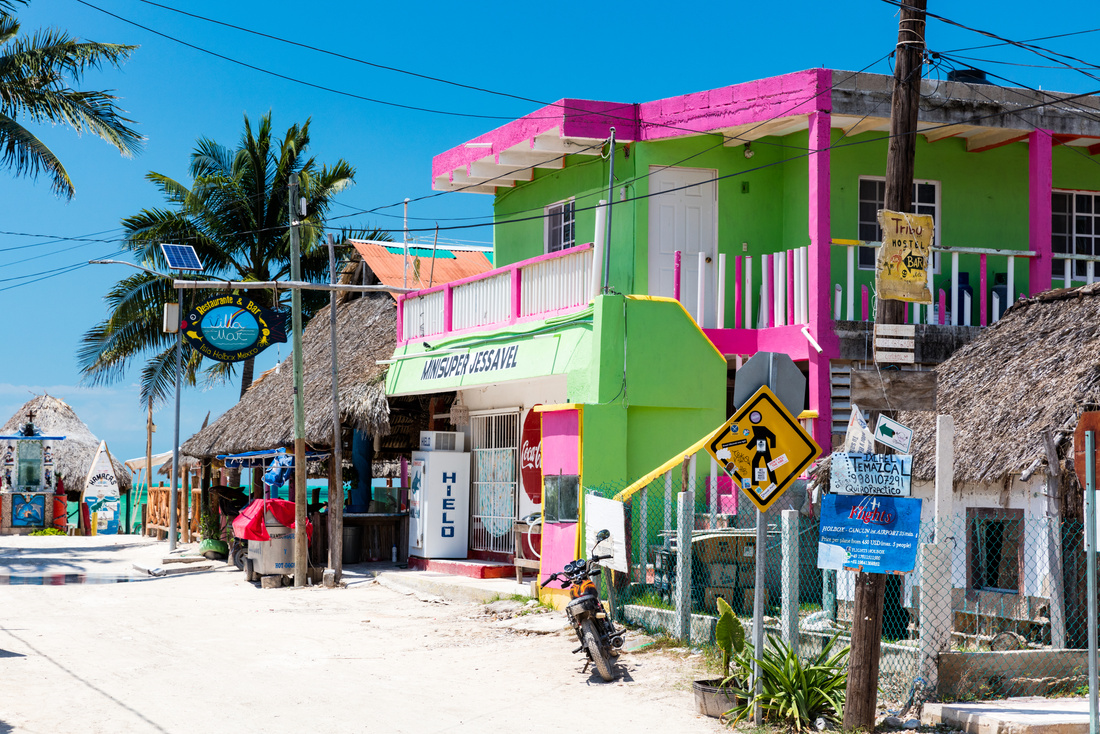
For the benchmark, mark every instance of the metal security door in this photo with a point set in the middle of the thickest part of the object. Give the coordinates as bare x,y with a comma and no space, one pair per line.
495,446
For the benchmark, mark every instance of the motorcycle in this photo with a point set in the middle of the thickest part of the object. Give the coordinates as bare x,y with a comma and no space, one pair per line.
598,636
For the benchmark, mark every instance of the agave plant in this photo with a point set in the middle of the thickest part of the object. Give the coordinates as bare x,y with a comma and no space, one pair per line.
795,692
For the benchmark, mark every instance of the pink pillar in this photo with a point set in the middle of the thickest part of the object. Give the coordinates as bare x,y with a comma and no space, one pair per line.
866,306
982,284
676,275
517,292
737,286
400,318
818,267
905,313
943,308
448,309
1040,155
790,287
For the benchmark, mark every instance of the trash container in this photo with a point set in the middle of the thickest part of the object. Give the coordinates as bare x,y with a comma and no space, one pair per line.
353,544
274,556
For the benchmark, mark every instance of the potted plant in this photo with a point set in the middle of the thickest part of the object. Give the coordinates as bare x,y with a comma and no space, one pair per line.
212,546
716,696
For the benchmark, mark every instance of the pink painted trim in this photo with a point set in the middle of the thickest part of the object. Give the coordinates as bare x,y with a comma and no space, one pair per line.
942,315
676,272
448,308
790,287
786,339
737,295
517,294
865,302
982,284
905,313
516,282
819,259
772,262
400,326
1040,169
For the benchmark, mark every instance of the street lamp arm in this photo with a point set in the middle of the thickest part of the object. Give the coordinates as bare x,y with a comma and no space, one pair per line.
132,265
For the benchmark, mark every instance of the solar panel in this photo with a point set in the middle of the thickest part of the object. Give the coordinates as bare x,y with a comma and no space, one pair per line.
181,257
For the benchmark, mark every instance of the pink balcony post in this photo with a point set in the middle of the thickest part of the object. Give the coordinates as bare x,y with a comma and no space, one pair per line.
1040,167
448,308
676,275
400,318
865,304
982,285
905,313
791,316
943,307
517,291
737,292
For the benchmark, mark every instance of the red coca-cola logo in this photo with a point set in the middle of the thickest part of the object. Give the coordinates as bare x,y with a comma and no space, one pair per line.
530,456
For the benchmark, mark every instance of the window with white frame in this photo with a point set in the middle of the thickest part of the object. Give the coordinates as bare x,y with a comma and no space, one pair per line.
1074,229
559,226
872,197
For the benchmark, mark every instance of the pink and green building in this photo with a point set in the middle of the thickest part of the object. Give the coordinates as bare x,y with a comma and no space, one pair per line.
767,190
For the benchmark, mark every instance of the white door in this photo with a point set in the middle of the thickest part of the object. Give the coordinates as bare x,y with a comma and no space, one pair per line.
683,219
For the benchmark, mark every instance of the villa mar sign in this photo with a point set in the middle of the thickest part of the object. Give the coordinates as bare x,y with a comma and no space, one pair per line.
232,328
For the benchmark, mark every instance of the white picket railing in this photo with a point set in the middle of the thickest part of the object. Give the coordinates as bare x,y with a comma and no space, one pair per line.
552,284
540,287
422,316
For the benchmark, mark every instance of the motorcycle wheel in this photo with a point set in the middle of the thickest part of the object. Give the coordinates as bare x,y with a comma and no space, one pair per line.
592,642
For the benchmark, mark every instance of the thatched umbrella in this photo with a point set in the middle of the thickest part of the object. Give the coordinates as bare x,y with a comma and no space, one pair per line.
72,457
1035,370
264,417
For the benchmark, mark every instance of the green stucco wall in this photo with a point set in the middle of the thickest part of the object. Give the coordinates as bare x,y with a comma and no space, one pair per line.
762,201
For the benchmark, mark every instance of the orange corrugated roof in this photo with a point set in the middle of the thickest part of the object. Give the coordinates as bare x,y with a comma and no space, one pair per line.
387,263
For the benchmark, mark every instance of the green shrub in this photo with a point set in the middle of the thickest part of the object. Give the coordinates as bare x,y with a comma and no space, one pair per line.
793,692
48,531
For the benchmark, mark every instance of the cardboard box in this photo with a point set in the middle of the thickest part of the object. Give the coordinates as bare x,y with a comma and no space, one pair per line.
749,599
720,549
723,574
711,594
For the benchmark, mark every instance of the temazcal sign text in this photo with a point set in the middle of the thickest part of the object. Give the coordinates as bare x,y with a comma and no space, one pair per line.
232,328
869,534
883,474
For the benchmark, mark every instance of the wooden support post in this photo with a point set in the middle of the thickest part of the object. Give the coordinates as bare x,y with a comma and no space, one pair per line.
1054,543
862,692
185,505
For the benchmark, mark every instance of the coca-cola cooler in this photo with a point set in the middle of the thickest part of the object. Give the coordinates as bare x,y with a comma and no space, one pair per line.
439,497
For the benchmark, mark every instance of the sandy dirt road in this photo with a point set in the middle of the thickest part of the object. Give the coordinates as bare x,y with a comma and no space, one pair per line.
212,653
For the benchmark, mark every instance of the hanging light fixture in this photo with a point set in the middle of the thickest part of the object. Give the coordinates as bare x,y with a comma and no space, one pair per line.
460,414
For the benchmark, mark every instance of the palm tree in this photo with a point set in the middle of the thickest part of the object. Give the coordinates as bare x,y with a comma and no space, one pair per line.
235,215
35,78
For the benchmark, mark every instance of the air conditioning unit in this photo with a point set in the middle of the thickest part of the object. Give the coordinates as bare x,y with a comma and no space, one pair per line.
442,441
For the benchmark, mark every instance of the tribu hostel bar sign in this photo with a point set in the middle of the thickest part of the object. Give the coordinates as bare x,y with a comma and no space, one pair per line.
870,534
901,270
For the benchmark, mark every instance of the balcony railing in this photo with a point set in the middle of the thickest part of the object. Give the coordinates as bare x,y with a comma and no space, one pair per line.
530,290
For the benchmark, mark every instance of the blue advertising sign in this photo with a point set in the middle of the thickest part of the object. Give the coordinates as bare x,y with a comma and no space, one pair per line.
232,328
869,533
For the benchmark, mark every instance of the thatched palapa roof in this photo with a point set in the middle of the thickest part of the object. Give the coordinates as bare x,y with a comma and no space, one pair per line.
264,417
1037,369
72,457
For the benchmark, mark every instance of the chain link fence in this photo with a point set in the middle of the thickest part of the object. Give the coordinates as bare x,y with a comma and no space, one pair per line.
995,607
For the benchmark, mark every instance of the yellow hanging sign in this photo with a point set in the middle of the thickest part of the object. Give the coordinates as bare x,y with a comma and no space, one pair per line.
901,270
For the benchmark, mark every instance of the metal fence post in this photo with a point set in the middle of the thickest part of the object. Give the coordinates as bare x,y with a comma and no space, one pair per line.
789,618
936,618
684,525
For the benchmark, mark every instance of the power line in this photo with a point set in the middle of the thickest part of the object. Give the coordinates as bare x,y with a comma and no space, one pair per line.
1028,40
288,78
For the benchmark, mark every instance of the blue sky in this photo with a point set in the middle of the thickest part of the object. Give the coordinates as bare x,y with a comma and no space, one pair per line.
178,94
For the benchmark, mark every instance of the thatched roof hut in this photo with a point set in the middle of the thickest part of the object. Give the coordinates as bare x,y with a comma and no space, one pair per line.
72,457
264,417
1035,370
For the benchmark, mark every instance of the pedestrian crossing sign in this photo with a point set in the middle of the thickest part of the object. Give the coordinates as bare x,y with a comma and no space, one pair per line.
764,448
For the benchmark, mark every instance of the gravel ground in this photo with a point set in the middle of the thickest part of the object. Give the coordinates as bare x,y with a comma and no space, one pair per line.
211,652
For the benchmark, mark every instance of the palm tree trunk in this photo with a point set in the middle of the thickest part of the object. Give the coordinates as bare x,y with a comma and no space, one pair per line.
247,371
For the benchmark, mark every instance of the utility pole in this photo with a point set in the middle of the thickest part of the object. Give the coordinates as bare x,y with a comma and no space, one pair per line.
301,558
173,500
336,488
861,697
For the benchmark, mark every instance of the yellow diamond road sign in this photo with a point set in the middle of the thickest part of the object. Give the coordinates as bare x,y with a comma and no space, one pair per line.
763,448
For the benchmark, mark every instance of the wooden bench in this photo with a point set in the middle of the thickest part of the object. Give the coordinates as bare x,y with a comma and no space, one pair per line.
522,530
